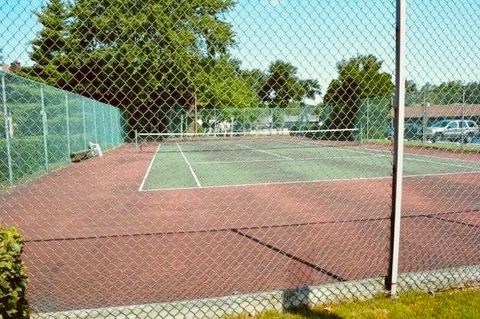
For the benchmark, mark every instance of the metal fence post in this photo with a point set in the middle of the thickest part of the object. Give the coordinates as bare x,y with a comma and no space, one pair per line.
95,121
44,126
69,147
463,127
84,125
111,126
425,119
399,106
7,130
103,124
368,119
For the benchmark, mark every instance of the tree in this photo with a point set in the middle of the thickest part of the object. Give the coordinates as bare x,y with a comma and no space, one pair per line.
141,55
413,95
221,84
255,79
472,93
447,93
48,48
283,86
359,78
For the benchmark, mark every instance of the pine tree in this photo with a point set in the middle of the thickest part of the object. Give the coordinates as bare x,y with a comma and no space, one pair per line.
48,48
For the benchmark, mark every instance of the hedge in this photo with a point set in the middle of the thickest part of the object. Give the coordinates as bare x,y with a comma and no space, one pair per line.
13,278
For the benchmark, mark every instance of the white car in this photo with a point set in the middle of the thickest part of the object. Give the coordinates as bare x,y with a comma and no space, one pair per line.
453,130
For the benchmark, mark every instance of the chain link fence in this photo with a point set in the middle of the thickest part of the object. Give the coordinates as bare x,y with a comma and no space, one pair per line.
217,157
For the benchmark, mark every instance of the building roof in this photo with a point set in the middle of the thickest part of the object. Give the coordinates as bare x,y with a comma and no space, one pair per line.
450,110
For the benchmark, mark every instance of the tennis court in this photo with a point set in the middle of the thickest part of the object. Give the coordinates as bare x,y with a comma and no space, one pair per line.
187,163
280,230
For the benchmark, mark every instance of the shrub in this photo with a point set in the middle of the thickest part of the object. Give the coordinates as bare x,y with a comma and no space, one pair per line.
13,278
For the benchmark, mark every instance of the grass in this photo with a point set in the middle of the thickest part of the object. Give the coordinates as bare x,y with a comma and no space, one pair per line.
448,304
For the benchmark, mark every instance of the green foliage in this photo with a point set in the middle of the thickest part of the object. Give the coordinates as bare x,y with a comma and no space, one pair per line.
150,58
359,78
448,93
373,117
13,277
221,85
445,93
283,86
49,47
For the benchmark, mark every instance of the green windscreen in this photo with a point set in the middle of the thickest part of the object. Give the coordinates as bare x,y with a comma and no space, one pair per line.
42,125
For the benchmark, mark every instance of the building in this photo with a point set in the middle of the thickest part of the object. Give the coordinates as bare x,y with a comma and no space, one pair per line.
13,67
434,113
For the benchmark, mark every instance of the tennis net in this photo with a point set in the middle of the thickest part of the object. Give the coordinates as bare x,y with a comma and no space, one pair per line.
237,141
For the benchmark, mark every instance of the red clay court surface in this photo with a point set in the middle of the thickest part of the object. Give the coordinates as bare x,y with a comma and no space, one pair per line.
94,240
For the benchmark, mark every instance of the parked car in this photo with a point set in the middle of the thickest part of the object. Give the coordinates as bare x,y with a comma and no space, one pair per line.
453,130
412,131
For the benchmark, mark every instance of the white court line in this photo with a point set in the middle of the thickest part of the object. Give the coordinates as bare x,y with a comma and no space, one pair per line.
282,160
425,155
190,167
388,154
310,182
149,168
266,152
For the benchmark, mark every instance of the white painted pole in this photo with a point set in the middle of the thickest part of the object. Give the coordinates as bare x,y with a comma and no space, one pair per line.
181,125
368,118
463,118
7,130
95,121
44,126
425,118
104,129
399,106
84,125
69,147
137,146
111,126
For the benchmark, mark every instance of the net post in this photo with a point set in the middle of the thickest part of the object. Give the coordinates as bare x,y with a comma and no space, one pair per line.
195,125
399,106
7,129
44,126
84,125
214,121
137,147
360,136
69,147
181,125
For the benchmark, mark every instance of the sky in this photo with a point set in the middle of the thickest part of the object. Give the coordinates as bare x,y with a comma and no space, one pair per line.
443,37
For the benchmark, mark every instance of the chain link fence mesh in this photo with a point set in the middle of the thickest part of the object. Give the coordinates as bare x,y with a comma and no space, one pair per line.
442,121
214,157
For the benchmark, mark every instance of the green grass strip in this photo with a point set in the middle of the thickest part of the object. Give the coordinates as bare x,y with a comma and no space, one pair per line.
447,304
